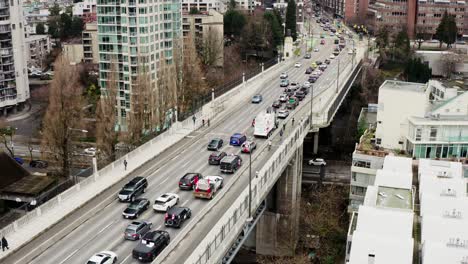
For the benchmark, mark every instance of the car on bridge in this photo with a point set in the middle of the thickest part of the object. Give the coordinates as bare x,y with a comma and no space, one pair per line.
136,229
276,104
283,75
208,187
135,208
306,84
256,99
189,180
151,245
292,103
305,90
294,85
283,98
215,144
309,70
327,61
176,216
322,42
307,56
237,139
300,95
216,157
283,113
103,257
297,65
284,83
165,201
248,146
231,163
132,189
316,50
317,162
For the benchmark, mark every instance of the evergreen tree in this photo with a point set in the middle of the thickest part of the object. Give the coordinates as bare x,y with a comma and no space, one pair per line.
234,22
417,71
446,31
402,45
275,27
291,19
40,29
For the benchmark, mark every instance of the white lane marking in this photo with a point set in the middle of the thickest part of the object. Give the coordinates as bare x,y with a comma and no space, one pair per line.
185,202
125,259
84,245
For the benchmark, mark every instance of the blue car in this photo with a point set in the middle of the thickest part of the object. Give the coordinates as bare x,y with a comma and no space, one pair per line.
237,139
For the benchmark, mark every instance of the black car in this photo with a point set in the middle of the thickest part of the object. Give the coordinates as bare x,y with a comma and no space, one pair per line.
41,164
189,180
307,56
300,95
136,208
309,70
318,62
176,216
312,79
132,189
276,104
215,144
327,61
230,163
216,157
151,245
305,90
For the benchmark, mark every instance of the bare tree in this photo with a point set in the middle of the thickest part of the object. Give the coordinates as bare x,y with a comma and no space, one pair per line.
167,90
212,48
64,114
139,101
107,136
450,61
6,134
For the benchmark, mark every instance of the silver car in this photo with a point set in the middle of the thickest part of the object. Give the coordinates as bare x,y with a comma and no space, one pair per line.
136,229
283,113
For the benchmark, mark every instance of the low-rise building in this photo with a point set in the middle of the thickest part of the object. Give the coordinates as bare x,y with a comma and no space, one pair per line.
73,51
39,48
203,5
90,43
383,225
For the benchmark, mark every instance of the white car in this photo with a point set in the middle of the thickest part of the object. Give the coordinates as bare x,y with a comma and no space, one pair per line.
297,65
283,113
293,85
306,84
283,75
218,181
165,202
350,51
283,98
103,257
317,162
90,151
332,56
316,50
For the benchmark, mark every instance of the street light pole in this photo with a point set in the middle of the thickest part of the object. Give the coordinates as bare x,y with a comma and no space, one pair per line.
250,186
311,105
338,78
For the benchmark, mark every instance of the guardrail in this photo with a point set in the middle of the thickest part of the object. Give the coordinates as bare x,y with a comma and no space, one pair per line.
78,195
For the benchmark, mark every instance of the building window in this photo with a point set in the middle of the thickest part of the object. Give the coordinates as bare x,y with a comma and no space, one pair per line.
418,134
433,134
357,190
362,164
378,141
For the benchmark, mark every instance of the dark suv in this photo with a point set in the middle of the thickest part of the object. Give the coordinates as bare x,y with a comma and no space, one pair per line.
215,144
151,245
230,163
189,180
132,189
176,216
216,157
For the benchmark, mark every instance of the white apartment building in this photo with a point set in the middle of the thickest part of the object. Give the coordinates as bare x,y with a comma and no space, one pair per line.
90,43
381,231
14,84
424,120
131,34
39,48
85,7
444,206
204,5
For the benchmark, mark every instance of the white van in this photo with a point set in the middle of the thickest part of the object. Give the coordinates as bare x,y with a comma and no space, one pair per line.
265,123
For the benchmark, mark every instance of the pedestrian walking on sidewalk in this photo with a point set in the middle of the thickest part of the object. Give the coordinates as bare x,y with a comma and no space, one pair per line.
208,121
284,126
281,133
194,119
292,121
4,243
125,164
203,122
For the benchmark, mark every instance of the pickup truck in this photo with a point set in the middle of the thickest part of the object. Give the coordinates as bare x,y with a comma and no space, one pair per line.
208,186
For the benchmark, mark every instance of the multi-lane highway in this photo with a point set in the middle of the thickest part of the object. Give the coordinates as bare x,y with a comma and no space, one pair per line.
104,229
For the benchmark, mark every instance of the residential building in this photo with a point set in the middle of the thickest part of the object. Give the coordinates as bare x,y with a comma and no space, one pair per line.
208,30
73,51
443,207
133,34
90,43
204,6
383,224
39,49
437,62
430,12
14,84
34,16
86,10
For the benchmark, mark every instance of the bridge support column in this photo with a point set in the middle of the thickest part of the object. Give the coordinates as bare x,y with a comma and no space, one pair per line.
316,142
278,228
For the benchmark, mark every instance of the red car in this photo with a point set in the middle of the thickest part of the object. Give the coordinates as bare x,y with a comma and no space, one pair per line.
322,42
248,146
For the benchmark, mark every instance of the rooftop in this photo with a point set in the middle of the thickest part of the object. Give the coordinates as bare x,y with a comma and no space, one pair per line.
401,85
394,198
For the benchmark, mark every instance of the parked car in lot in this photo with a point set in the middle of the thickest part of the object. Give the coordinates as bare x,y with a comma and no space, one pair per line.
237,139
103,257
282,114
283,98
136,208
41,164
189,180
151,245
208,187
216,157
133,189
165,201
276,104
215,144
176,216
230,163
136,229
284,83
283,75
256,99
248,146
317,162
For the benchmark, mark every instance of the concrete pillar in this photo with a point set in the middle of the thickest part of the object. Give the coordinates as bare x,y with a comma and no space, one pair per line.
316,142
277,231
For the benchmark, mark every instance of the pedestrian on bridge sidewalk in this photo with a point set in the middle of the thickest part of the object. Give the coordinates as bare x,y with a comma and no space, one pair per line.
4,243
208,121
125,164
194,119
203,122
